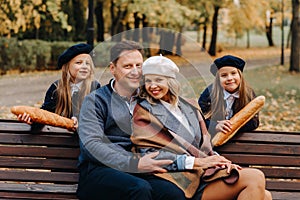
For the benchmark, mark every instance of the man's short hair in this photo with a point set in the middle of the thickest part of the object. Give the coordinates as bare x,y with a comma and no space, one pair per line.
124,45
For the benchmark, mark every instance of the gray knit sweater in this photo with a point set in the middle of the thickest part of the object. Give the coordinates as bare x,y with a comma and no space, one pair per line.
104,130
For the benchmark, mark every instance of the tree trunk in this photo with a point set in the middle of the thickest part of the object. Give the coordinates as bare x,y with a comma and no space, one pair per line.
99,21
248,38
112,17
90,24
213,43
136,31
145,36
145,32
116,27
128,33
166,42
80,22
295,44
289,37
204,34
178,43
269,30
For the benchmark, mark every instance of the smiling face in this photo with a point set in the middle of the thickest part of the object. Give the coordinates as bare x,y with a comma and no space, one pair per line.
80,67
230,78
157,86
127,72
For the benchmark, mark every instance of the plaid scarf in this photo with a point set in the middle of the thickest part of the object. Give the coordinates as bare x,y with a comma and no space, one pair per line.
149,132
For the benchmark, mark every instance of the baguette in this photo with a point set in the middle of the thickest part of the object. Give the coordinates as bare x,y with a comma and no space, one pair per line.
43,116
239,120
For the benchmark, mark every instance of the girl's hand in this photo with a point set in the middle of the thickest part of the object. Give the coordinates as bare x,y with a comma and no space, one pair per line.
25,118
75,123
212,161
224,126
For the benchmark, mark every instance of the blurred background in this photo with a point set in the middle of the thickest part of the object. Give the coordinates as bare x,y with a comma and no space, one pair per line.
34,32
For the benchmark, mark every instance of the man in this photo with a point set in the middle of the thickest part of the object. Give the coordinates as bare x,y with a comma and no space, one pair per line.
108,168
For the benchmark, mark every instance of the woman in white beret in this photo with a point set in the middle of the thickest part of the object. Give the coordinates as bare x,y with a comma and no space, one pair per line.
163,121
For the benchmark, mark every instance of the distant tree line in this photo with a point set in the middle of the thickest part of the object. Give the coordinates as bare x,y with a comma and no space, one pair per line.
67,20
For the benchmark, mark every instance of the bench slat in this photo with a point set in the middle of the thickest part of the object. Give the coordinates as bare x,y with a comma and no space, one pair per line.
32,196
267,136
39,151
288,173
17,126
285,195
38,176
283,185
32,139
41,188
269,149
38,163
245,159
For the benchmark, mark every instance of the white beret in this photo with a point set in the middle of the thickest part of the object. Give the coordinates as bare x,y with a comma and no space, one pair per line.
160,65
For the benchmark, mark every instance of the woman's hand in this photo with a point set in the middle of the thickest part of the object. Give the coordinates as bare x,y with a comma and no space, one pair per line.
212,161
232,166
224,126
25,118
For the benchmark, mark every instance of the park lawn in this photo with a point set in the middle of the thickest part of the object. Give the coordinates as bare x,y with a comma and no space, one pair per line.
282,91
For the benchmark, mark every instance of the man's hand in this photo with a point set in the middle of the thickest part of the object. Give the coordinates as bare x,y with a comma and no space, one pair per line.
148,164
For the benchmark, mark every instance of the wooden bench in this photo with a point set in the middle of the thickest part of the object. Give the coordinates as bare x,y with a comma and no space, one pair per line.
43,164
37,165
277,154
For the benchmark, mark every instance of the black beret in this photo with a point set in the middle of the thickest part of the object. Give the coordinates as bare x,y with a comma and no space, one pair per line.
73,51
227,60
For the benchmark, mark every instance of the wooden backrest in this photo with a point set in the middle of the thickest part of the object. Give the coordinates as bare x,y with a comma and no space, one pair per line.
277,154
37,165
43,164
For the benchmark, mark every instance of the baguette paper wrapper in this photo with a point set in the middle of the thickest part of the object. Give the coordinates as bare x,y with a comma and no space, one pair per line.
239,120
41,116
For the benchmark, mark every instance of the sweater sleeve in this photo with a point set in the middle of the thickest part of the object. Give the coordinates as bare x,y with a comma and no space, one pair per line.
50,98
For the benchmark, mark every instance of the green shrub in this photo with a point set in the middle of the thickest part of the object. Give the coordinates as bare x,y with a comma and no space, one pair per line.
25,55
30,55
7,52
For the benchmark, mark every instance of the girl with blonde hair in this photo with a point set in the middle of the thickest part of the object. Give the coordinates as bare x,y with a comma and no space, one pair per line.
227,95
64,96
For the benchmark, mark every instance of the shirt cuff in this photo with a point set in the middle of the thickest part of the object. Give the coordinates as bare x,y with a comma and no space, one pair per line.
189,162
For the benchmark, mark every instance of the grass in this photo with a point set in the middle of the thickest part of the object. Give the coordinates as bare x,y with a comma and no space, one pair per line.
282,91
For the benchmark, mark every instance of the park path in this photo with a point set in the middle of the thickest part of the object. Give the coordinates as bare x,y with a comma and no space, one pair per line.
30,88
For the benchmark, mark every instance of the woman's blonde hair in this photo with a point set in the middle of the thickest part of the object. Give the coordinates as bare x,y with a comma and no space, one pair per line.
65,107
174,89
217,97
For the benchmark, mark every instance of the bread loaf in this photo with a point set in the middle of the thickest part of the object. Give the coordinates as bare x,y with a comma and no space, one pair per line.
43,116
239,120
